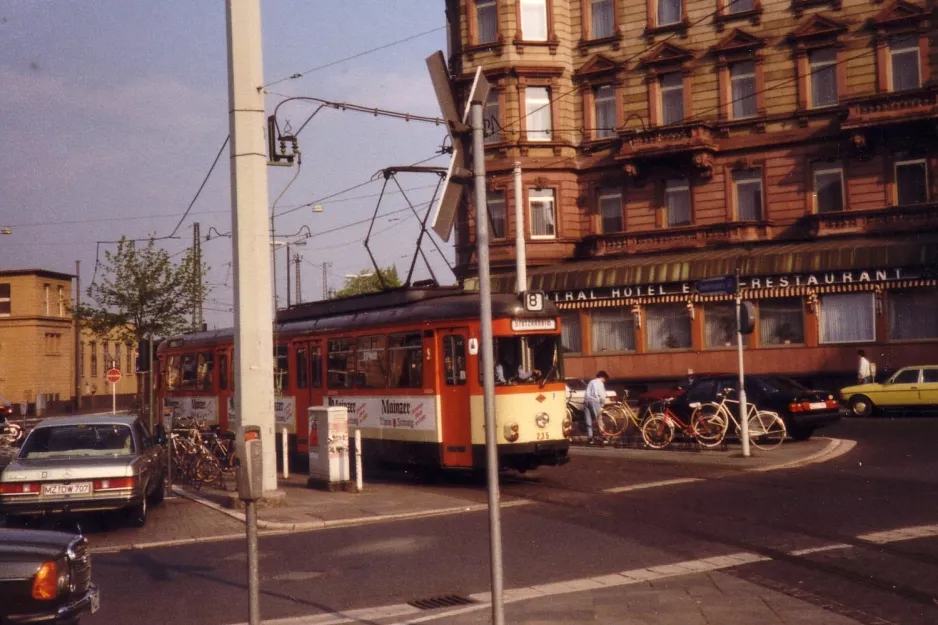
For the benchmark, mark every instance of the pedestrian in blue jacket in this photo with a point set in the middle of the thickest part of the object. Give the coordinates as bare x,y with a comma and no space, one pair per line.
593,402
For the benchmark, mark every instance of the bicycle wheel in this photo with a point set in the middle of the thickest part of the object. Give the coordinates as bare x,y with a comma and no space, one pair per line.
612,421
657,431
208,469
709,424
766,430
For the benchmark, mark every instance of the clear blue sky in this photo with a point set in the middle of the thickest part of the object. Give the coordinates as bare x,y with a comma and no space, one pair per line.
113,111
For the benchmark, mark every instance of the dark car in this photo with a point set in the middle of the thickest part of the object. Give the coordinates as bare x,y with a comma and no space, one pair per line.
804,410
45,577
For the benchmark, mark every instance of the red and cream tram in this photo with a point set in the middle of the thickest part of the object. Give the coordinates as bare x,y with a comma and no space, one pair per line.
406,363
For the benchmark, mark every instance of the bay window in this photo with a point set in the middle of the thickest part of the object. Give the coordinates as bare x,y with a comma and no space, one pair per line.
534,20
490,117
538,114
495,202
486,21
847,318
541,204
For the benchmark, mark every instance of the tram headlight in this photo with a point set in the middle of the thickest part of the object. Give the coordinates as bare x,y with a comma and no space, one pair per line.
568,426
542,419
511,432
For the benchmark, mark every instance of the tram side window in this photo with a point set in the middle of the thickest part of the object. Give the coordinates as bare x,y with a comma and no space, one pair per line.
189,371
281,368
341,363
372,369
316,368
205,371
302,367
172,373
223,371
454,360
405,352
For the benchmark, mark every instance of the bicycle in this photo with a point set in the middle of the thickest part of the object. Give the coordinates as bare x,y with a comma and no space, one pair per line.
659,427
766,429
615,419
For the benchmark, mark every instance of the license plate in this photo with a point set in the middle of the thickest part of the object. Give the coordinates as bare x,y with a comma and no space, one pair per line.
79,488
95,601
817,405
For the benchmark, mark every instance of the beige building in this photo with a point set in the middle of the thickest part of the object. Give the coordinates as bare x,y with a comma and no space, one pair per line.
37,346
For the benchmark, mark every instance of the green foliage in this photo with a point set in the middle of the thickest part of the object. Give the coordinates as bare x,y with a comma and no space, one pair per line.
139,292
367,282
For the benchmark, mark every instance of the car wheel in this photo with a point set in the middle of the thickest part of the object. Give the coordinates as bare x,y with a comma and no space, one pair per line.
861,406
138,514
801,434
156,497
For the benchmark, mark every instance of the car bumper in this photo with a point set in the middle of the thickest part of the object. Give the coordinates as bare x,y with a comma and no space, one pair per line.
813,420
45,506
88,602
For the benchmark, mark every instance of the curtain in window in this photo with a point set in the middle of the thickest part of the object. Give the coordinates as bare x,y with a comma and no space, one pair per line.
571,338
912,315
847,318
905,63
781,321
828,188
669,12
495,201
748,194
739,6
534,20
823,77
605,111
677,202
743,77
612,330
667,326
911,182
610,209
487,21
603,23
672,99
537,112
542,213
720,325
490,118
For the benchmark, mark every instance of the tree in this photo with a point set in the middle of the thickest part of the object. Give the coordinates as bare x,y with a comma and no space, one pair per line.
141,293
367,282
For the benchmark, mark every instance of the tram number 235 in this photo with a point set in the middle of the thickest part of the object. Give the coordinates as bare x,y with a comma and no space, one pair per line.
543,436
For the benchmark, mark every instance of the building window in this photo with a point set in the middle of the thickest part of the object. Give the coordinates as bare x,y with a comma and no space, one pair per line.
610,210
720,325
534,20
602,18
117,355
604,101
495,201
541,202
105,355
486,21
537,113
61,301
130,351
672,98
93,350
781,322
669,12
52,343
912,315
571,337
677,202
5,300
740,6
743,88
904,63
612,330
911,182
823,64
81,359
829,188
493,132
748,191
667,327
847,318
45,299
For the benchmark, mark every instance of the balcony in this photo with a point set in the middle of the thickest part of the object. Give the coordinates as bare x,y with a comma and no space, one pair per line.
694,142
891,108
895,219
686,237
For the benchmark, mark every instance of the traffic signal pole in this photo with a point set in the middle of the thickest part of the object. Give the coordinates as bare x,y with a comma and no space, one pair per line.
743,408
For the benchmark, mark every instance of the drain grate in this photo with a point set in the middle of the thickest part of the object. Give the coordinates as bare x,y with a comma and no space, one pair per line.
446,601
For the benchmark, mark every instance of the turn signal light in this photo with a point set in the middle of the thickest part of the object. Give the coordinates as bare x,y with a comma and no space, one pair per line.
114,483
46,582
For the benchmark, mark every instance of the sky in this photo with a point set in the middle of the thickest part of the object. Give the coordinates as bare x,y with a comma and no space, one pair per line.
114,110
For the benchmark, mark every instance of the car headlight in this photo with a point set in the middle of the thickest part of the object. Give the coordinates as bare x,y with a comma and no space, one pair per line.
542,419
511,432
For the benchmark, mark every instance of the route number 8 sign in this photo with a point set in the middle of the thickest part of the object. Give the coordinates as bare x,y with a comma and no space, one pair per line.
533,301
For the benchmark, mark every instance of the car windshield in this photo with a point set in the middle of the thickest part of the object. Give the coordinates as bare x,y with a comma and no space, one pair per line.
69,441
775,385
527,359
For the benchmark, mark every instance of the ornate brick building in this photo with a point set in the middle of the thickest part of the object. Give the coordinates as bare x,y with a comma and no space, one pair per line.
666,141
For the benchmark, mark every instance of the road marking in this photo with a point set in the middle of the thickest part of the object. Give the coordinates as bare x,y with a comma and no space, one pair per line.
903,533
633,487
835,447
810,550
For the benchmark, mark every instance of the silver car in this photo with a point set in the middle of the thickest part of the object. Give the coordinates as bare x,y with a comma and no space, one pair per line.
84,464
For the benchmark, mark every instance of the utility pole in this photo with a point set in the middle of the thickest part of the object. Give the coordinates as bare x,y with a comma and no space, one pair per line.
288,275
325,279
196,278
521,262
254,350
299,292
77,337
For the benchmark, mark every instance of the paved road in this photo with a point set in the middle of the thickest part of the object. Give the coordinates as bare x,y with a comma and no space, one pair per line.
829,535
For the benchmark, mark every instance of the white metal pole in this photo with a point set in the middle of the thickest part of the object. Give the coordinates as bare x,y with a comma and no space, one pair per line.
285,447
743,410
358,460
254,351
488,364
521,260
113,397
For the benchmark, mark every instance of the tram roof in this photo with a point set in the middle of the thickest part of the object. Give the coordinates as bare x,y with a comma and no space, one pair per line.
462,306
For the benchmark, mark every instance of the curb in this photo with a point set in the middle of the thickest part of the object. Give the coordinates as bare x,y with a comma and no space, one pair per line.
835,448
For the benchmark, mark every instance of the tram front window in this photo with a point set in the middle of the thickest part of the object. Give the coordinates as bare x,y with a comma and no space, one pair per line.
527,359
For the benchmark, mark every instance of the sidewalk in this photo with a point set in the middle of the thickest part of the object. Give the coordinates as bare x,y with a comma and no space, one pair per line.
306,508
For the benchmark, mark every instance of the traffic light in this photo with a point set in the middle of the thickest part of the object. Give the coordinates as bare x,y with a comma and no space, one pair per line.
747,317
143,357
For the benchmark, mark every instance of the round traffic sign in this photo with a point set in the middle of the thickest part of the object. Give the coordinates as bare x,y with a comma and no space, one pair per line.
113,376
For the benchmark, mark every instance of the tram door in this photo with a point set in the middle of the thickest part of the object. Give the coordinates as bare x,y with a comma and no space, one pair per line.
309,391
454,398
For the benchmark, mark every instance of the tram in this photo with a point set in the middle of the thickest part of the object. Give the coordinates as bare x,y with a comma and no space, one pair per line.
407,364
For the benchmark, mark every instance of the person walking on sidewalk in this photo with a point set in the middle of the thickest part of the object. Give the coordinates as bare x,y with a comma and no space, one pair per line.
593,402
864,371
